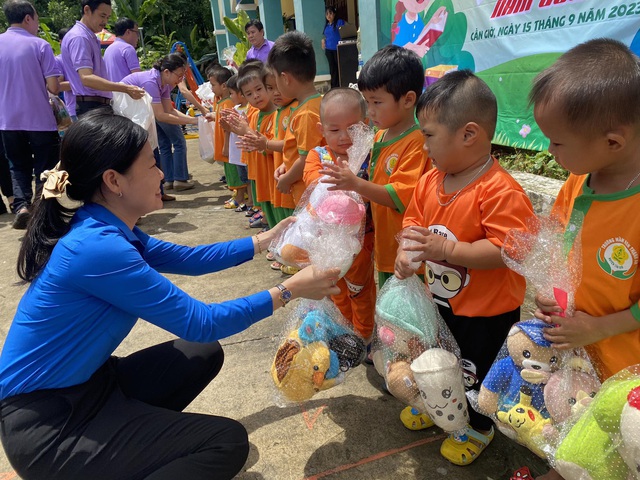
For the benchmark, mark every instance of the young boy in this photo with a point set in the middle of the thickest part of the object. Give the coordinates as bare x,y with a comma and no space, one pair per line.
597,138
260,163
235,155
218,77
341,108
293,60
460,213
391,82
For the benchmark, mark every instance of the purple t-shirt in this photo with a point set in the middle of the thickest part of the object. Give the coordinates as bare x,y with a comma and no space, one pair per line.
121,59
81,49
261,53
25,62
69,98
151,82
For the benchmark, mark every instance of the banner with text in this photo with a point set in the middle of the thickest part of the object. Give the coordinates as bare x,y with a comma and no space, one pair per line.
506,43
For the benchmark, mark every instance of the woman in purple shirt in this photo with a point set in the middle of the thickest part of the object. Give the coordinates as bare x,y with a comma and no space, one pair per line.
158,82
69,408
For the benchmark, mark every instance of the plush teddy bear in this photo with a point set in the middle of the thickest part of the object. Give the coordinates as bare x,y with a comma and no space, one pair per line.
528,361
568,393
588,451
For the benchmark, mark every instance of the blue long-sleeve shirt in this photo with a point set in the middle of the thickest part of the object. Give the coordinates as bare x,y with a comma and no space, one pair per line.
100,279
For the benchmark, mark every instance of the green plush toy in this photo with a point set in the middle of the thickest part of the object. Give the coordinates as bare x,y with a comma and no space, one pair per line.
588,452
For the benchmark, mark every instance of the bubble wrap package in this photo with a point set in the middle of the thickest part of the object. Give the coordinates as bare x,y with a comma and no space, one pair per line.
532,389
549,256
605,441
329,225
417,355
407,242
317,349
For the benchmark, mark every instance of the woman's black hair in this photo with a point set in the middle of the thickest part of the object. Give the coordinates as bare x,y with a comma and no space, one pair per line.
99,141
171,62
330,8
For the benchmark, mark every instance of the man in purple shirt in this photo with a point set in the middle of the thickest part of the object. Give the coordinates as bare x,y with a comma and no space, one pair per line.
260,46
120,57
83,61
27,124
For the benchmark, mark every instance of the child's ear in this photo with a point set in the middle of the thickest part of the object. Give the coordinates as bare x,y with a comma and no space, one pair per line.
617,139
471,133
409,100
320,129
286,77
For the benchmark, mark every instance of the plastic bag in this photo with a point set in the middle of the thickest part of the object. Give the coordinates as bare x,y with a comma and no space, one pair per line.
407,242
329,225
60,112
316,350
549,256
532,389
205,139
138,111
204,92
605,440
417,355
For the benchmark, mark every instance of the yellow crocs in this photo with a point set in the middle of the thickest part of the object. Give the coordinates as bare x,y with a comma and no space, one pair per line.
462,450
414,420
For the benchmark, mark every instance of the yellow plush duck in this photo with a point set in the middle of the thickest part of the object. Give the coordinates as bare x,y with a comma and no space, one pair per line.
299,370
526,420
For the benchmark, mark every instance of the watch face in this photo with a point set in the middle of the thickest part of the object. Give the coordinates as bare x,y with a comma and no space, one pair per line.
285,295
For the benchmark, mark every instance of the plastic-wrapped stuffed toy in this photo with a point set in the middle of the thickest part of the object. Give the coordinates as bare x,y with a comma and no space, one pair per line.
319,347
300,371
526,359
630,431
567,394
526,421
592,448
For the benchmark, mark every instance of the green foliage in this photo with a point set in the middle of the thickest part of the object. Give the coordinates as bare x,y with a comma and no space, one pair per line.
61,15
538,163
46,33
235,26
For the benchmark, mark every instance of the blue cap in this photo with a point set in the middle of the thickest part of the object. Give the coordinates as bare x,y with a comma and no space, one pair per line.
533,329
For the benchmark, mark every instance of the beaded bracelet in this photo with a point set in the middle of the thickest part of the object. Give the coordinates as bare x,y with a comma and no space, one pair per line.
258,242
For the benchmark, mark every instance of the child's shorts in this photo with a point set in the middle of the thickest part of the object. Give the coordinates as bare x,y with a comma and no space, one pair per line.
242,173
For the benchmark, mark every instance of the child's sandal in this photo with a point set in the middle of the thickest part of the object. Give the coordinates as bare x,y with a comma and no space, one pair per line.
270,256
465,449
276,266
414,420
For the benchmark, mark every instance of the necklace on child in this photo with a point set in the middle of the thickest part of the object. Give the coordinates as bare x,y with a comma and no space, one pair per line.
632,181
455,195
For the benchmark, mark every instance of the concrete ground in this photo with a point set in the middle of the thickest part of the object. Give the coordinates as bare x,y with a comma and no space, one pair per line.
349,432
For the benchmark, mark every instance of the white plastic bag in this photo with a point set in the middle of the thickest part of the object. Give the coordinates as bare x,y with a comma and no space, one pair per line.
205,142
138,111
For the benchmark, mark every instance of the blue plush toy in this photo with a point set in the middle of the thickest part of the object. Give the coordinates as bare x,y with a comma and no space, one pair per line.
319,327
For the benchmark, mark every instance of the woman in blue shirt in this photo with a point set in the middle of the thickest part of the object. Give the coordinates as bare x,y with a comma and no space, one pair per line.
69,408
330,43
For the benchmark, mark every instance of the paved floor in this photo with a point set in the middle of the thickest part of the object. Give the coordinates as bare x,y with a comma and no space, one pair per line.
349,432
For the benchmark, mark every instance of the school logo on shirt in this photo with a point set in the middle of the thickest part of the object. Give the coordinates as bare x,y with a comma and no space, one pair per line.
285,122
618,258
390,163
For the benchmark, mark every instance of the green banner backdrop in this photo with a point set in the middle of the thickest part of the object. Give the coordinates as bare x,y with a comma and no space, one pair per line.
506,43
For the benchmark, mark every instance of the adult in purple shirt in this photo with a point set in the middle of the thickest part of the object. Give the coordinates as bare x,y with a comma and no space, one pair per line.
69,97
120,57
158,82
83,61
260,46
27,125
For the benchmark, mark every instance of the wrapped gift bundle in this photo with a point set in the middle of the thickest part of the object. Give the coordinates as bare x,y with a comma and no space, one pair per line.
318,347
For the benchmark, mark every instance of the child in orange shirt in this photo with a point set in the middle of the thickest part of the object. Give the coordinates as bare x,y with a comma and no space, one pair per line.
460,213
259,162
218,77
293,60
391,82
596,137
341,108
